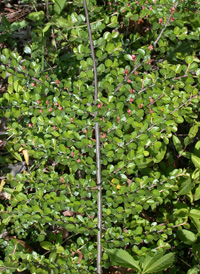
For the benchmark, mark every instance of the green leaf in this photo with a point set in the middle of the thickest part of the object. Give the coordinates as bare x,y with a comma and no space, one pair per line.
186,236
196,161
122,258
18,25
80,241
178,68
59,5
70,227
198,72
36,16
193,131
177,144
61,21
189,59
60,249
141,51
161,153
158,262
197,149
193,270
52,256
47,26
89,160
17,156
128,57
47,245
177,30
26,96
21,197
110,47
74,17
108,63
27,50
197,193
195,213
22,267
186,187
196,223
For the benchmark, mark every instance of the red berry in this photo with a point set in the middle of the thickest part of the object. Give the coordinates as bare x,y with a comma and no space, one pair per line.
126,71
103,136
50,109
150,47
40,111
60,108
129,81
132,90
133,57
57,82
47,102
38,101
151,100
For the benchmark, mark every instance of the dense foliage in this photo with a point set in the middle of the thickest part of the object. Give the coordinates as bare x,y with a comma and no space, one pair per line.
147,55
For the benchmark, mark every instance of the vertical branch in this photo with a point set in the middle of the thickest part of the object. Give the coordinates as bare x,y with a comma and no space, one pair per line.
98,165
92,52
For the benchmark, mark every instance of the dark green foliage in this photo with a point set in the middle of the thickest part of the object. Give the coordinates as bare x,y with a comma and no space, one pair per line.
148,112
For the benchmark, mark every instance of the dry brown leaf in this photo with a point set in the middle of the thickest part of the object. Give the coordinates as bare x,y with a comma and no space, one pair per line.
26,156
5,195
68,213
2,184
80,255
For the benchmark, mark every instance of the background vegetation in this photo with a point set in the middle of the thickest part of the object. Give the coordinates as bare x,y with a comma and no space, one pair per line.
147,57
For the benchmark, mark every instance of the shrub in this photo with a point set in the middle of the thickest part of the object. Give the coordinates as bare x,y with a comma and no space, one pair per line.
148,115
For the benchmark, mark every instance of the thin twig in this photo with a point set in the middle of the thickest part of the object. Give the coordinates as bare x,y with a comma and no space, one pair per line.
6,140
167,23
